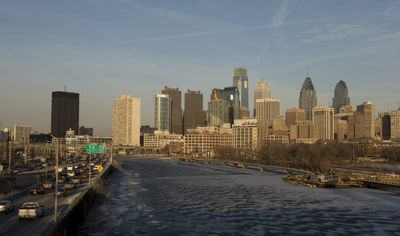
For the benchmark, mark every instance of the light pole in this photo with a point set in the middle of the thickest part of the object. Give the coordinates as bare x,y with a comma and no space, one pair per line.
56,184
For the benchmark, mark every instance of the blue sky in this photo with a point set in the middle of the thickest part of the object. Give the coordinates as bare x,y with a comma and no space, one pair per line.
102,48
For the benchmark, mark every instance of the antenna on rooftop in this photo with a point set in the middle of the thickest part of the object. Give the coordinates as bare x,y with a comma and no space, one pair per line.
65,88
308,71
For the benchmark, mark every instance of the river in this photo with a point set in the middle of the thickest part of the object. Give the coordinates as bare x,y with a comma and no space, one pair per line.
170,197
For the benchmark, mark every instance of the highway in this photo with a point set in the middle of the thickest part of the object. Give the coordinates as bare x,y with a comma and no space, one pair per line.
10,224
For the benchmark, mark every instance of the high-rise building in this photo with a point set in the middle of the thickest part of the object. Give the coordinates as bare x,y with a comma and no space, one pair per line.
162,112
176,109
362,124
21,133
395,125
341,97
293,115
308,97
261,91
218,109
64,113
323,119
386,127
302,131
232,95
194,115
267,109
85,131
240,81
126,121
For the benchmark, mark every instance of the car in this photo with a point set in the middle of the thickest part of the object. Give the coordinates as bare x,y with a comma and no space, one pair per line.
61,193
48,185
76,180
30,210
6,206
69,185
37,190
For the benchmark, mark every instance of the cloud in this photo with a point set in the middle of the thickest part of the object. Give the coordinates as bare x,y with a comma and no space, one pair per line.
332,32
385,37
282,13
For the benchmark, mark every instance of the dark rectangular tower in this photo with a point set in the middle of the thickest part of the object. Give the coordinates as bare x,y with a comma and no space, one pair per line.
194,115
64,113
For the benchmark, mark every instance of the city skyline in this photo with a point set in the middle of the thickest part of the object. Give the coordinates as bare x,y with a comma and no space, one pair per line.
277,41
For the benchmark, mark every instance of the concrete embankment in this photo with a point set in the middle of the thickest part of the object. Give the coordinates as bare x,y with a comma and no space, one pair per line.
70,219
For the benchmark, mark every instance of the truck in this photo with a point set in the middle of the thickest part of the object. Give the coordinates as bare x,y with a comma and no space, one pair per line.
30,210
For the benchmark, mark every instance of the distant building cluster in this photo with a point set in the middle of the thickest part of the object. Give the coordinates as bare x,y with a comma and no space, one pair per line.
227,121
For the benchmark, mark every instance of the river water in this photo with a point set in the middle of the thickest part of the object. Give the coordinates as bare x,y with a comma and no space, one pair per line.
168,197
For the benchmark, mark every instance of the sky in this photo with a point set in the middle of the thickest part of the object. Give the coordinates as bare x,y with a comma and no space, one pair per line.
101,49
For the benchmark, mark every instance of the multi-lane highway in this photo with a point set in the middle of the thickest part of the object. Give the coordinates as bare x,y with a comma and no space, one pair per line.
10,224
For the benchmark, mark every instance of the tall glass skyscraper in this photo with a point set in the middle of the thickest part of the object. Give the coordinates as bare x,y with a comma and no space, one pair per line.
176,109
341,96
308,97
240,81
218,109
162,112
232,95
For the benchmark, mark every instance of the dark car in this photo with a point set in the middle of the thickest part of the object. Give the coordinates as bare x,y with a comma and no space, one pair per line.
37,190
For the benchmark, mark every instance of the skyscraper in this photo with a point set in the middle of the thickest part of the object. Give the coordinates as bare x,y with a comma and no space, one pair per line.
262,90
231,94
395,125
362,124
64,113
218,109
267,109
341,96
162,112
126,121
21,133
308,97
323,120
240,81
194,115
176,108
293,115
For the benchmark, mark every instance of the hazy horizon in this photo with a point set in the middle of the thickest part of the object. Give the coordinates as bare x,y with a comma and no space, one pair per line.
101,49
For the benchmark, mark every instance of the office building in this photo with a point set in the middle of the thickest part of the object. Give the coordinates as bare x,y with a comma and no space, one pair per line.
194,115
85,131
323,119
341,97
231,94
362,124
303,131
218,109
64,113
240,81
386,127
21,133
267,109
162,112
203,141
261,91
176,109
308,97
293,115
395,125
245,134
126,121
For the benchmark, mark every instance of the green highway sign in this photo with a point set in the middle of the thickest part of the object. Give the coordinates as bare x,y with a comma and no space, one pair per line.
96,148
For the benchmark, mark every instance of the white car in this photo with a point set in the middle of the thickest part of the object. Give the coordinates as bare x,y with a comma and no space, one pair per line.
6,206
30,210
